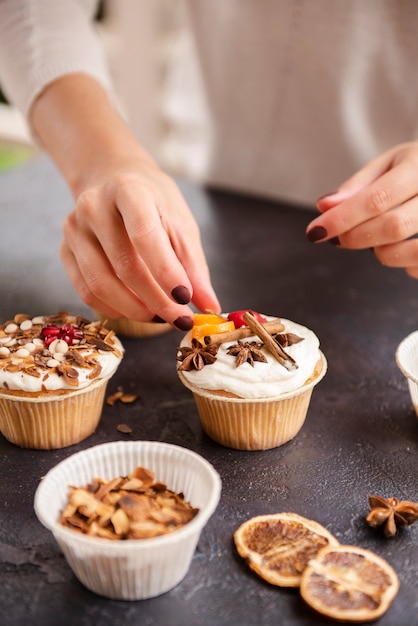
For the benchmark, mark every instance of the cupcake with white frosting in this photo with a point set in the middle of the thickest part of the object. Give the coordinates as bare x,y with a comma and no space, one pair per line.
54,372
252,385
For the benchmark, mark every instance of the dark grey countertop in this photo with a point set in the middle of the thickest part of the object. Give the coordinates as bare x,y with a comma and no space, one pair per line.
360,436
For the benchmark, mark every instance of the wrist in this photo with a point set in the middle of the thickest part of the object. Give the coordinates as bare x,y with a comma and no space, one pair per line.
87,138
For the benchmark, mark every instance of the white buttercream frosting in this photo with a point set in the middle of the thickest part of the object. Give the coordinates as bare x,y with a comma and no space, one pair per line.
262,380
27,364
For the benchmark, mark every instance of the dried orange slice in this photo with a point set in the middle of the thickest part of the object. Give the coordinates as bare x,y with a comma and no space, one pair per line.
278,546
349,584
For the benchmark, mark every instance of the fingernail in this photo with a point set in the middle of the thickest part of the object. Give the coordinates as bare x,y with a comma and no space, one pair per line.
158,320
181,295
183,323
332,193
335,241
317,233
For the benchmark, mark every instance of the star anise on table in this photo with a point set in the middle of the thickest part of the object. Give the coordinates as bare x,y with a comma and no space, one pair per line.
247,352
196,356
391,514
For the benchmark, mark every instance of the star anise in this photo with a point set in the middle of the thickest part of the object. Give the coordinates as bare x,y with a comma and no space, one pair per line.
196,356
286,339
391,514
247,352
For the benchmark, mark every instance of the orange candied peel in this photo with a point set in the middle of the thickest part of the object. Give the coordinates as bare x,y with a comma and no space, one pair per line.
207,318
209,324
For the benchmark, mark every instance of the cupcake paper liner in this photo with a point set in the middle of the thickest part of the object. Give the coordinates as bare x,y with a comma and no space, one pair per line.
254,424
46,423
130,569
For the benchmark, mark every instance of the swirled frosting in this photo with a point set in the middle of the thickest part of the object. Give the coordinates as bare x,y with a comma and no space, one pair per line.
262,379
35,360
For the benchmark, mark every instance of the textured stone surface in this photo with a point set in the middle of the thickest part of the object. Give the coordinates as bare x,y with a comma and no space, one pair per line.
360,436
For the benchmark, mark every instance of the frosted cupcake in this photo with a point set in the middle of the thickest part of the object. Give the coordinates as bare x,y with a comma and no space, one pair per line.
253,380
54,372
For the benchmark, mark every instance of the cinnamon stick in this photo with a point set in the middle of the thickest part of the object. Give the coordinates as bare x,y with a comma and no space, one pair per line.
275,326
277,351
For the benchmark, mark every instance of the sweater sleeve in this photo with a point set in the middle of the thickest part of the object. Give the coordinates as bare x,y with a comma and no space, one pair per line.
42,40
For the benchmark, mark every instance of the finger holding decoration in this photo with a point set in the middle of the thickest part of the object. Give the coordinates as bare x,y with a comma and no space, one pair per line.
384,184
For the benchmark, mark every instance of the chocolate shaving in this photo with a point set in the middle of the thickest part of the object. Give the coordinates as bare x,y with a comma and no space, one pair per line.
99,343
69,373
287,339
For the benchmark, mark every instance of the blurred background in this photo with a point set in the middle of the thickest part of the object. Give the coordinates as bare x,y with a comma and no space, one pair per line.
144,42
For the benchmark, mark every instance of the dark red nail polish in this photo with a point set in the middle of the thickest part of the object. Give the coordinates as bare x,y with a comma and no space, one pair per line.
181,294
183,323
158,320
335,241
317,233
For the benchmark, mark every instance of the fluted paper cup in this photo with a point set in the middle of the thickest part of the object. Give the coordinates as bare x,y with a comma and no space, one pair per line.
254,424
131,569
407,360
54,421
126,327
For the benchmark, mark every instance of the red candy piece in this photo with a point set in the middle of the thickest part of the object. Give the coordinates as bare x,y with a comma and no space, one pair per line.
68,333
237,317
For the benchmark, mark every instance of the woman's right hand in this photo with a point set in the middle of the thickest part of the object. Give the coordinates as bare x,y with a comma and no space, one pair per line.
131,245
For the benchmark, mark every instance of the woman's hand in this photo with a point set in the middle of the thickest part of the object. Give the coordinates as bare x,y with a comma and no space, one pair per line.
376,208
131,245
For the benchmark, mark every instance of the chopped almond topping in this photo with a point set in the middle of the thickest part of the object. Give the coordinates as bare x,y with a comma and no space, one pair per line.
129,507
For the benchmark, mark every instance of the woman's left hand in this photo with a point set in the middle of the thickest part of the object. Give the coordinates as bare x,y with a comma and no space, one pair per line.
376,208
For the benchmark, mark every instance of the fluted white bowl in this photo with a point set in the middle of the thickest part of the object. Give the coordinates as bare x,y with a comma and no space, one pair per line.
132,569
407,360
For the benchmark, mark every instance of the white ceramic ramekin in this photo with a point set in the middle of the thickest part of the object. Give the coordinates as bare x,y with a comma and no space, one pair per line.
407,360
130,569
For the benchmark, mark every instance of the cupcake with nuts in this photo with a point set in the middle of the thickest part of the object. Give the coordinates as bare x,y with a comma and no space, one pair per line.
54,372
251,375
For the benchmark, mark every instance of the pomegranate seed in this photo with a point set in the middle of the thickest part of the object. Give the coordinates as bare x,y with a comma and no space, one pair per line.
67,333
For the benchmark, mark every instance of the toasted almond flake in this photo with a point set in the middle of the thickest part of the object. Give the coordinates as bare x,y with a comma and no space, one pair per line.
112,510
114,398
128,398
124,428
20,317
